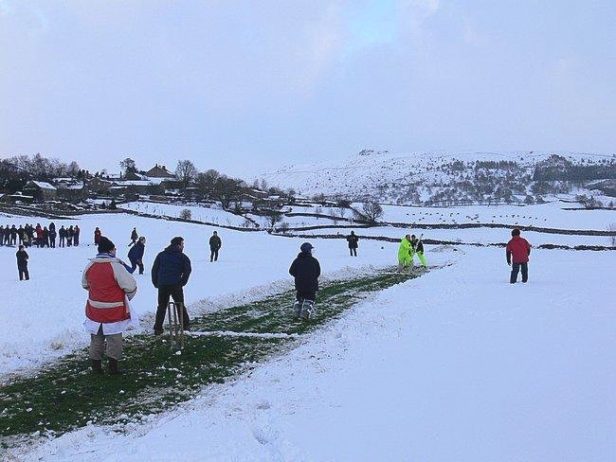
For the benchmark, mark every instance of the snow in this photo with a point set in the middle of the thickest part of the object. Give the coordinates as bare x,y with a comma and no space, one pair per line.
44,185
549,215
210,215
467,236
455,365
360,175
49,328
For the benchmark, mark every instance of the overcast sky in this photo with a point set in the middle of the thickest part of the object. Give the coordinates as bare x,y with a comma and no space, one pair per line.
245,86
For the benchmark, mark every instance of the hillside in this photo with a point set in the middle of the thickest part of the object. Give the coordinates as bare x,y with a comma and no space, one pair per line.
450,179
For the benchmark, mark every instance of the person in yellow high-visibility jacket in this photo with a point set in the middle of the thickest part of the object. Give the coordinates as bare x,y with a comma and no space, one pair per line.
405,253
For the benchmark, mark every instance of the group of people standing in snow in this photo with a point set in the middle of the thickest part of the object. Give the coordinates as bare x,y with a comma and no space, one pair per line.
111,285
39,236
409,247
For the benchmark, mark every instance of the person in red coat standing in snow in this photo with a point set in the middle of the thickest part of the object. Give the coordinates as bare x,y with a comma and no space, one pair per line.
518,251
109,287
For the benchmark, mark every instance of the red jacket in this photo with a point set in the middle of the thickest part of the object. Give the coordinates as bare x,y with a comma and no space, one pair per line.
108,284
519,248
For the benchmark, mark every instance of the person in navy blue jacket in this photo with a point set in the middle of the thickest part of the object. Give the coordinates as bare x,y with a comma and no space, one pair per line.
135,255
170,273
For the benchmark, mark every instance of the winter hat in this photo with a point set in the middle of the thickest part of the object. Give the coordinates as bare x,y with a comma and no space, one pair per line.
105,245
515,232
306,247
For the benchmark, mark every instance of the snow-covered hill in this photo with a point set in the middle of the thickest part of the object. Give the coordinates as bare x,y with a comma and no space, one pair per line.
440,178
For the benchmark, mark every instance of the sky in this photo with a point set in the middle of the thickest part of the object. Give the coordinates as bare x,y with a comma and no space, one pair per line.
245,87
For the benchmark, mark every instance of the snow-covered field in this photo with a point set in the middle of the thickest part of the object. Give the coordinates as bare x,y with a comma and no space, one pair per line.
44,316
455,365
467,236
203,214
548,215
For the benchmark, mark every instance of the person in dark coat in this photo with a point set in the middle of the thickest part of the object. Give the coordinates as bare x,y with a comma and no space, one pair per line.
518,250
52,236
418,249
13,235
76,233
306,271
352,240
170,273
22,263
97,235
133,237
215,245
45,237
135,255
70,233
62,235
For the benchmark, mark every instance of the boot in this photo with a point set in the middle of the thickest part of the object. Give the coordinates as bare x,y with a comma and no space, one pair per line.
97,366
113,367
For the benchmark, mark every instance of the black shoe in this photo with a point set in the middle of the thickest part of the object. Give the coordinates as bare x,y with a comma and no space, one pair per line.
97,366
113,367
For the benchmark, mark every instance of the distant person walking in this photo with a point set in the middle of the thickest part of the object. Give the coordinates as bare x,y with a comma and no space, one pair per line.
352,239
418,249
133,237
76,233
215,245
22,263
170,273
306,271
97,235
109,287
405,253
518,252
135,255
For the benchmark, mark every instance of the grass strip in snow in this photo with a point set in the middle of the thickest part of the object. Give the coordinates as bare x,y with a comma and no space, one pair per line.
67,395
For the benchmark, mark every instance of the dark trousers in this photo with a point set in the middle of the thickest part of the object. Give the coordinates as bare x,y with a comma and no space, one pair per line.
164,292
306,295
515,268
136,264
23,273
353,251
213,254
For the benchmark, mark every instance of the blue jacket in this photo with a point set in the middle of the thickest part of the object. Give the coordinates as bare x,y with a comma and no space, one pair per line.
135,253
171,267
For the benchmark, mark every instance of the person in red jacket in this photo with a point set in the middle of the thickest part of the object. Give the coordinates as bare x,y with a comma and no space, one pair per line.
109,287
518,251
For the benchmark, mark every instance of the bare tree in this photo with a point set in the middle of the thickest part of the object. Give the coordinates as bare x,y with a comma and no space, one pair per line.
226,189
273,217
128,165
186,172
73,169
372,211
206,181
186,214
